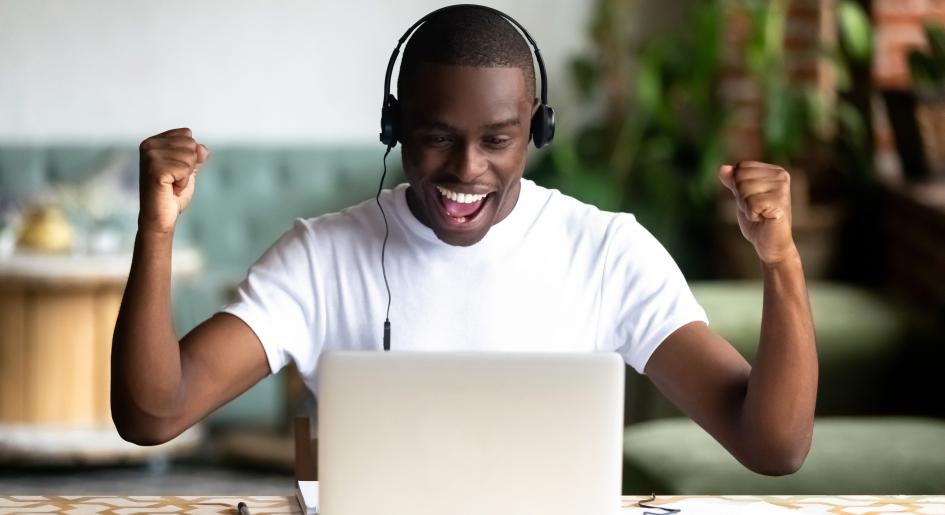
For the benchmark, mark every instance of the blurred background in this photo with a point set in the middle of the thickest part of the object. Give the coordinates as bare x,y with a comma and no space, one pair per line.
651,98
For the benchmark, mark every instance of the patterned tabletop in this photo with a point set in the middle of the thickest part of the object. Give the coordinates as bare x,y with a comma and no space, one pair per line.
196,505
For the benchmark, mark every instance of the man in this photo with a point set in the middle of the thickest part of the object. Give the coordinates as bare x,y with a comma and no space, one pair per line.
479,258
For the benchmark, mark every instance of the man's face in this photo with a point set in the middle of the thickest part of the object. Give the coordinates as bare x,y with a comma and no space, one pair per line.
465,135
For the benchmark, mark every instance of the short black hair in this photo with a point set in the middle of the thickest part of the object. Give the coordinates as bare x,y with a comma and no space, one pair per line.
466,36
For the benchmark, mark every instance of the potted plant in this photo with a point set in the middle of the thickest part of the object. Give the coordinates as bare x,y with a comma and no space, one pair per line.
656,143
802,128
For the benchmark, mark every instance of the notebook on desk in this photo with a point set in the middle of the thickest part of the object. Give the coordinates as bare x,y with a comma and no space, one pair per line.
306,493
428,433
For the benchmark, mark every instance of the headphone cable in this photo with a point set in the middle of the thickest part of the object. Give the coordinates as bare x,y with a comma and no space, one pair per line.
383,250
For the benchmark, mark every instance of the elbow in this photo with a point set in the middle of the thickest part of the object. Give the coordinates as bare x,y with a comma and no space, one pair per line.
140,429
144,438
143,435
780,460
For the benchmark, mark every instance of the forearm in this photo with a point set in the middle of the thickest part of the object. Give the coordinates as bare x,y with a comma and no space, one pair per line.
777,415
146,364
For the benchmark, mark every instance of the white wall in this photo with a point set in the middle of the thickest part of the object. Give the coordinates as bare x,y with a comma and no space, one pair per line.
240,70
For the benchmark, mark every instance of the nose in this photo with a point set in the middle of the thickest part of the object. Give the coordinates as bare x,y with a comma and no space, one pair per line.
469,162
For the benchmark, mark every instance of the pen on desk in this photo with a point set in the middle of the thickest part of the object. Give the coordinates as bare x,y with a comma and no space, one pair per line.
242,508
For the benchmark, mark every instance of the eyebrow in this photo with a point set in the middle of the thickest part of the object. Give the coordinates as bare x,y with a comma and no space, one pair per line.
508,122
437,125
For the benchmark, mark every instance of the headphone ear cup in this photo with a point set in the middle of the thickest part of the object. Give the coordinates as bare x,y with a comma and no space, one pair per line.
543,125
390,122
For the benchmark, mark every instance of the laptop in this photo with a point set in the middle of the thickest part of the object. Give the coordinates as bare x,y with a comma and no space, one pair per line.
469,433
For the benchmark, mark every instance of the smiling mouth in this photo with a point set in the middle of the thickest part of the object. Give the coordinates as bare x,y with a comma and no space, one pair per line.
460,208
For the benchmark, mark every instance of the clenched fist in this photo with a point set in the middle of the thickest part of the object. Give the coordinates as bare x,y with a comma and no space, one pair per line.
169,165
763,207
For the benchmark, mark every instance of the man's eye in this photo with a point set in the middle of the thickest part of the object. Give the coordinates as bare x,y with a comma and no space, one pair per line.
498,141
437,140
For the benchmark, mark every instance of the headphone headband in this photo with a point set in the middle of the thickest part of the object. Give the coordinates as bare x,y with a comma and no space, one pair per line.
528,37
542,126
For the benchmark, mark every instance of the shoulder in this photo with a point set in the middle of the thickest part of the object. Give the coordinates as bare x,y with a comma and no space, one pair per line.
361,221
580,219
618,237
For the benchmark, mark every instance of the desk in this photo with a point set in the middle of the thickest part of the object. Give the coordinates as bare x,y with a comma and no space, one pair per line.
846,505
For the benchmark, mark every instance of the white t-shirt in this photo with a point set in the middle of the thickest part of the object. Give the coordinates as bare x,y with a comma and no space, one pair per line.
556,275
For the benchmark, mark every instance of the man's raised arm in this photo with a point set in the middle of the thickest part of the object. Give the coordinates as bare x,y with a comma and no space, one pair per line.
161,386
763,414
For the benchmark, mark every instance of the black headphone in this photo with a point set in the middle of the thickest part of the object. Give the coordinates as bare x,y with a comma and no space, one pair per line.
542,129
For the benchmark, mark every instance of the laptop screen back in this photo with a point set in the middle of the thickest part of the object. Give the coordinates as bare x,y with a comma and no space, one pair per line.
470,433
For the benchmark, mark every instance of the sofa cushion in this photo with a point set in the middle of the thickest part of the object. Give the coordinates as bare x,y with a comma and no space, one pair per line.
860,334
849,455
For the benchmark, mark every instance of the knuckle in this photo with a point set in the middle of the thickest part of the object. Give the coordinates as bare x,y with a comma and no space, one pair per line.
150,154
756,201
184,141
176,168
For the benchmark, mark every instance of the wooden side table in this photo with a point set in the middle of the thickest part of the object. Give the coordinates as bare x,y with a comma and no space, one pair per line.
57,315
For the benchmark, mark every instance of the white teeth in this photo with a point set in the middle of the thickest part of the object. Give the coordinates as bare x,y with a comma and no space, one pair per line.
462,198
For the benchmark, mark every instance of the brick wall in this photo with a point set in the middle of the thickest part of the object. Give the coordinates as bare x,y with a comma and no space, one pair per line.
809,25
898,28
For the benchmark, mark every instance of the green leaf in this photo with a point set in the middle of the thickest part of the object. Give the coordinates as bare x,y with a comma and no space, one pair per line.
649,83
852,125
564,156
818,113
935,34
594,186
921,68
584,72
856,30
774,22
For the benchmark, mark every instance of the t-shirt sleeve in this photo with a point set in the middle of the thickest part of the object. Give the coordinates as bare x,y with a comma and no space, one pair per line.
647,292
276,299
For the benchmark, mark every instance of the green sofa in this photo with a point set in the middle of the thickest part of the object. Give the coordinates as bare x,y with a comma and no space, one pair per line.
879,426
849,455
860,334
247,196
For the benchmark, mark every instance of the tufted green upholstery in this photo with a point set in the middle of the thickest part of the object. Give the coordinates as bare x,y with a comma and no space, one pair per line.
859,335
849,455
245,198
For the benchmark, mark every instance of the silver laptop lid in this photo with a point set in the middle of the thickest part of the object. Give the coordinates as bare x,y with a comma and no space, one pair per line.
435,433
